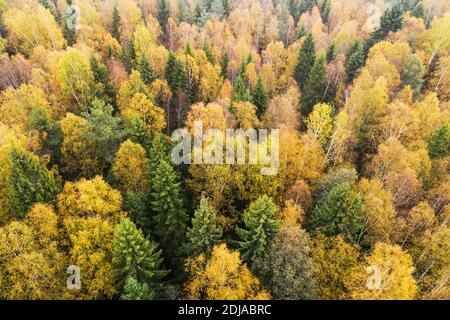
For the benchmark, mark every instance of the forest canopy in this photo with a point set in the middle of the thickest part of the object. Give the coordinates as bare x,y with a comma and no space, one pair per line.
92,90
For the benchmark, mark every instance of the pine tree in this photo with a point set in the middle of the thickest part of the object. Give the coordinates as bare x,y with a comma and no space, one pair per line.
294,10
439,144
205,233
355,60
325,11
126,59
135,256
340,212
260,228
315,86
259,97
146,70
160,149
134,290
30,182
305,62
163,14
115,24
331,52
224,65
170,218
240,90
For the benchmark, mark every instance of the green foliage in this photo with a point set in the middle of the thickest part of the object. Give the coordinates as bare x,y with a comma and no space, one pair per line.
305,62
136,205
115,24
240,90
418,11
332,179
286,267
260,226
390,21
101,76
163,14
224,65
355,60
135,290
174,73
135,256
412,74
146,70
104,130
331,52
439,143
314,91
170,218
259,97
325,10
340,212
30,182
208,53
204,233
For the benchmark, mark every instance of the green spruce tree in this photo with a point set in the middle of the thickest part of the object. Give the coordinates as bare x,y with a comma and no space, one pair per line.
325,10
240,90
259,97
315,86
224,65
30,182
170,218
204,233
135,256
340,212
115,24
163,14
412,74
355,60
439,143
174,73
146,70
135,290
305,62
331,52
260,226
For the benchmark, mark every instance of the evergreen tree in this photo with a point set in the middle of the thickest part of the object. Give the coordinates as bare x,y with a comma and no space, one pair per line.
355,60
418,11
135,256
390,21
30,182
259,97
412,74
136,205
315,86
260,228
137,131
240,90
174,73
134,290
205,233
217,7
302,32
226,8
68,33
439,144
126,59
160,150
340,212
115,24
105,90
146,70
325,11
224,65
294,10
163,14
208,53
170,218
104,132
305,62
331,52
